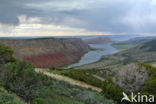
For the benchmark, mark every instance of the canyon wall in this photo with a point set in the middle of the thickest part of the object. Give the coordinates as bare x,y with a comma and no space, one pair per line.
48,52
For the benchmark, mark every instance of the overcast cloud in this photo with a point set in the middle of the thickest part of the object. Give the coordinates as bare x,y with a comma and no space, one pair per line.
77,17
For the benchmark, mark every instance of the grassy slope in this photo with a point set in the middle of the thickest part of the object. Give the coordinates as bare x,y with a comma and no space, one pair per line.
70,80
123,47
61,93
91,77
7,98
75,95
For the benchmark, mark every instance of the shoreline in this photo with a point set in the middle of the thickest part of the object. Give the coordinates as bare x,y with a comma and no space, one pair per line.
108,49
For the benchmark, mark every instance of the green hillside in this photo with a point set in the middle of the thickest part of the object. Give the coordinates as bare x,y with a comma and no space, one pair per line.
142,53
8,98
150,46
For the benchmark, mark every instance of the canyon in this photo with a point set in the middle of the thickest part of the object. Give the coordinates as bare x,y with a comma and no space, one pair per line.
48,52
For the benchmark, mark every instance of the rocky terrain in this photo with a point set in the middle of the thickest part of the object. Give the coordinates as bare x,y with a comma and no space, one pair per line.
98,40
131,78
48,52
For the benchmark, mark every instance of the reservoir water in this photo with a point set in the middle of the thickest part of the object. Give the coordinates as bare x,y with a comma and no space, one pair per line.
95,55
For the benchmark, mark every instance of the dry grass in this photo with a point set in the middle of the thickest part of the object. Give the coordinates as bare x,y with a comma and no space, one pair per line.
69,80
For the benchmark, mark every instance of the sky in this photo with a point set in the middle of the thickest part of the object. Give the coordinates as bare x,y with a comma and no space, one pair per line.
77,17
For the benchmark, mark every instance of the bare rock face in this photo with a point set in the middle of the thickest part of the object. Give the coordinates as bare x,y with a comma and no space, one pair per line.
48,52
131,78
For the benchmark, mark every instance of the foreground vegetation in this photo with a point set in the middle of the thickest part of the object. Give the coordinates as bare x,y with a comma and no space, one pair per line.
82,76
113,90
19,77
7,98
150,85
136,77
91,77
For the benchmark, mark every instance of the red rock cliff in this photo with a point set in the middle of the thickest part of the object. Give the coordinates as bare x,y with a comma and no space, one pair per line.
48,52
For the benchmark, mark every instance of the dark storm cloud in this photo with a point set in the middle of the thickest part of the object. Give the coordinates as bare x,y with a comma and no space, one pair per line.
8,13
94,18
94,15
11,9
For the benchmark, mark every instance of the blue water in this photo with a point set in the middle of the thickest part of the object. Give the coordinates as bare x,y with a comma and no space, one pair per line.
93,56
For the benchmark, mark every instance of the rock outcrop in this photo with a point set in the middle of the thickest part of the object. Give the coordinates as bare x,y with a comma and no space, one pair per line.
131,78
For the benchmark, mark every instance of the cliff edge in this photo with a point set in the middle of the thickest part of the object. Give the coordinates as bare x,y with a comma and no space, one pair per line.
45,53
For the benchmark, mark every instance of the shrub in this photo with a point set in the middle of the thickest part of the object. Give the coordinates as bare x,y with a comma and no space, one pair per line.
82,76
52,68
150,86
20,78
38,101
111,91
7,98
6,54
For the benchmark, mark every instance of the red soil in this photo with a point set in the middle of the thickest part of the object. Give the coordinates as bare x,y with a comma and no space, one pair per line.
48,52
51,59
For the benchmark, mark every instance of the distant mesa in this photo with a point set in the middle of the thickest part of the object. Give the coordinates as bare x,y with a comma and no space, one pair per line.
98,40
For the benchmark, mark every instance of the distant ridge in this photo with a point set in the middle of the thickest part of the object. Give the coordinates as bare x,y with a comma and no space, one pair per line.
149,46
116,37
137,40
98,40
